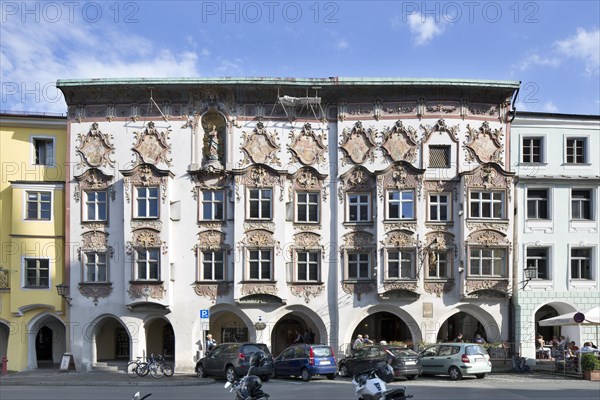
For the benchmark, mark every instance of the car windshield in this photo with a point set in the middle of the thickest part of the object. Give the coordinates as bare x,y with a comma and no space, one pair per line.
253,348
322,351
475,350
399,352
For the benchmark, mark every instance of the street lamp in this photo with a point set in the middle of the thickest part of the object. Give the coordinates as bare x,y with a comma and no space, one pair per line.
530,273
64,291
260,325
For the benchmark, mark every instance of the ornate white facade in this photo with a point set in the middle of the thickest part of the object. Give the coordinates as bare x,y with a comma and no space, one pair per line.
386,208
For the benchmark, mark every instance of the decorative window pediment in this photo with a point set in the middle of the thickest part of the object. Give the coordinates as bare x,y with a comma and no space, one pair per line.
260,146
307,146
152,146
211,240
358,179
94,180
209,180
400,176
400,143
484,145
307,241
259,238
95,148
258,176
488,288
488,238
358,144
145,175
358,240
95,241
489,176
399,238
146,238
308,179
440,127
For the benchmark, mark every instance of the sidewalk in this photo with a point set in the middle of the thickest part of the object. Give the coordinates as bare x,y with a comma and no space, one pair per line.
52,377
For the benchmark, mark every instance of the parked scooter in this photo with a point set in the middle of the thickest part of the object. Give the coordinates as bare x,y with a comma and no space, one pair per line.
137,396
370,385
249,387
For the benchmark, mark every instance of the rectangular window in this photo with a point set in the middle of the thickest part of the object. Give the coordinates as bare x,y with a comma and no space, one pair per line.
401,204
359,266
581,204
400,264
439,265
439,207
307,266
537,203
260,264
307,207
213,266
537,257
212,205
487,262
37,273
44,151
581,261
532,150
39,205
147,202
95,206
147,264
439,156
359,207
95,267
260,203
576,149
487,204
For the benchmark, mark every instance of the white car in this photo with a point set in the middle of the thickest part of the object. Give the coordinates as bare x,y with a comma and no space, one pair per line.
456,360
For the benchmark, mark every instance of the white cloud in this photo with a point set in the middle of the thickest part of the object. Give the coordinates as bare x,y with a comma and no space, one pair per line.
550,107
205,52
584,46
535,60
423,30
342,44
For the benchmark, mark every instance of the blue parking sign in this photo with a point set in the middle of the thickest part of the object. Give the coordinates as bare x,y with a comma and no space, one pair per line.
204,314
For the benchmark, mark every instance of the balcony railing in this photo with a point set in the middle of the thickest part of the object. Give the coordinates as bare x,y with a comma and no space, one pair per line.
4,280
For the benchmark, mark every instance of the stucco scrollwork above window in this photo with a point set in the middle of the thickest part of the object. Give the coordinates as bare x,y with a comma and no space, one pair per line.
488,238
358,144
440,127
357,240
145,175
95,180
258,176
489,176
152,146
400,176
399,238
213,290
308,179
438,288
259,238
259,288
95,148
484,145
307,147
139,290
488,288
95,241
260,146
146,238
307,291
95,291
358,179
400,143
211,240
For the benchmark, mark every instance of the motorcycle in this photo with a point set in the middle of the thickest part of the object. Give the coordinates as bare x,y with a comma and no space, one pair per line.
250,386
370,385
137,396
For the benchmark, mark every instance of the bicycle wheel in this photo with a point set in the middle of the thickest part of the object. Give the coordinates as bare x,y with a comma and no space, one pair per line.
156,370
132,369
142,369
168,369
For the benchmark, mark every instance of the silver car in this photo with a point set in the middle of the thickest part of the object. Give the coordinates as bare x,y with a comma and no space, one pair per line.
456,360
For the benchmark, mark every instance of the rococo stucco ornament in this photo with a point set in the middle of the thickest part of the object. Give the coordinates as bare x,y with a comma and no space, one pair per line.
400,176
259,288
306,291
139,290
95,148
213,290
356,240
487,288
308,179
440,127
93,179
358,179
400,143
152,146
438,288
308,147
145,175
484,145
399,239
488,238
358,144
358,289
210,240
95,290
258,176
146,238
260,146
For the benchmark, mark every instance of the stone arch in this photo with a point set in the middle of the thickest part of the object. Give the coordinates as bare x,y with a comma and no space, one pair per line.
53,334
492,329
226,323
160,336
543,311
305,318
109,337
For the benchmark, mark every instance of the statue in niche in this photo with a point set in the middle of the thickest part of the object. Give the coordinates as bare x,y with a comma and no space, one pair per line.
214,126
213,143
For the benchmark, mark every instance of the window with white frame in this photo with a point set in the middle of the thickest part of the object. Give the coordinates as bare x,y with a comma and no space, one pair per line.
260,203
260,262
581,262
538,257
537,204
359,207
307,266
39,205
212,205
489,262
487,204
359,265
532,150
37,273
439,265
147,264
213,265
401,204
581,204
439,156
96,270
307,207
439,207
96,207
43,151
146,202
400,264
576,150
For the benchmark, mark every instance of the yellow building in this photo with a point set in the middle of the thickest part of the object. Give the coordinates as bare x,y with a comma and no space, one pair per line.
32,222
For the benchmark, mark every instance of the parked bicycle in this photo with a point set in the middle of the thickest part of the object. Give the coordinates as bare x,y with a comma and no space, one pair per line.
167,368
134,367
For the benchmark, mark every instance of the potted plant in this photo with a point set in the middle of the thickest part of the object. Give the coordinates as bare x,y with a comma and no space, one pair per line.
590,366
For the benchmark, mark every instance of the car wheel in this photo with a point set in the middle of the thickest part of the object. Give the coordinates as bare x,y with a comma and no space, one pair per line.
330,376
480,376
305,375
201,372
454,373
230,374
343,370
411,377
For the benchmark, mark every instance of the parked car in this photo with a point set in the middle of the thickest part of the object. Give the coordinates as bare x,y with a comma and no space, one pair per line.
405,362
456,360
232,360
305,361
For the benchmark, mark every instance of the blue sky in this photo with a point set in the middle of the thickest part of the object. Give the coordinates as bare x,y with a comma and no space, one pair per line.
552,47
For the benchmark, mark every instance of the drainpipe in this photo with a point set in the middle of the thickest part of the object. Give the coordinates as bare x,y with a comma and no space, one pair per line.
515,275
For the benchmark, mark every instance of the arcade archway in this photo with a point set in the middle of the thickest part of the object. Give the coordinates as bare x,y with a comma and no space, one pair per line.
293,328
160,338
47,341
461,322
384,326
112,340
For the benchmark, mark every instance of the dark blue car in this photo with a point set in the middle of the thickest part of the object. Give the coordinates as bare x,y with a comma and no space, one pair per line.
305,361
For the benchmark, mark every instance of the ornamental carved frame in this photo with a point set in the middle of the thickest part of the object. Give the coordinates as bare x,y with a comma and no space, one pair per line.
258,176
489,176
152,146
307,147
95,148
145,175
400,176
93,179
440,127
400,143
260,146
358,179
358,144
484,145
308,179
